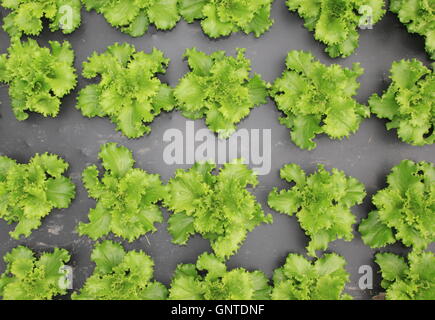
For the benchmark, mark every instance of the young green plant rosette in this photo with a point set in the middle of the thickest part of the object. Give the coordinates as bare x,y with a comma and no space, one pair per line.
27,16
209,279
121,275
318,99
336,22
127,197
418,16
34,277
322,203
220,89
412,278
135,16
38,77
29,192
405,209
219,207
301,279
129,91
409,102
220,18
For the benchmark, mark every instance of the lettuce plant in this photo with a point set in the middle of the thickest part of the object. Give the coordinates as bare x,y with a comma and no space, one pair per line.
129,92
409,102
38,77
405,209
126,197
419,17
121,275
222,17
336,22
134,16
316,99
413,279
26,16
321,202
29,192
209,279
220,89
301,279
30,278
219,207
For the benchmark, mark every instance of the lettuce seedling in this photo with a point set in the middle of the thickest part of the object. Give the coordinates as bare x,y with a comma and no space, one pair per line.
317,99
222,17
134,17
405,209
220,89
30,278
301,279
321,202
129,92
38,77
336,22
121,275
219,207
29,192
209,279
126,197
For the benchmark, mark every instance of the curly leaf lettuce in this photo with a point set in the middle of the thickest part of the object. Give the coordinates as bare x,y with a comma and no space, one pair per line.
209,279
321,202
29,192
405,209
301,279
129,92
335,22
126,197
121,275
223,17
408,280
317,99
220,89
27,16
409,102
419,17
219,207
38,77
30,278
134,16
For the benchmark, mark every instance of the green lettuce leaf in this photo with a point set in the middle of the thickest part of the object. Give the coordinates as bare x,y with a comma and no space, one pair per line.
134,16
321,202
30,278
335,22
405,209
223,17
121,275
29,192
126,197
409,102
129,92
301,279
419,17
209,279
26,16
38,77
413,279
317,99
219,207
220,89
